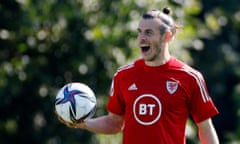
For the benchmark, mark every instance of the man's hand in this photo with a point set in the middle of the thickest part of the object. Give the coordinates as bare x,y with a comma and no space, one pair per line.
77,124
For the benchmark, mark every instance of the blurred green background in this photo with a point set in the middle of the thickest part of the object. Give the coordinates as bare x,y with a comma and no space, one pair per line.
45,44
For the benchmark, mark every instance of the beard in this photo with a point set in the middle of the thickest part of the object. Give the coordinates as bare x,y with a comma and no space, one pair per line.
156,53
154,57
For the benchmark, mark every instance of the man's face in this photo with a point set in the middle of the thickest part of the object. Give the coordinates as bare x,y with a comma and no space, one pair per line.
149,39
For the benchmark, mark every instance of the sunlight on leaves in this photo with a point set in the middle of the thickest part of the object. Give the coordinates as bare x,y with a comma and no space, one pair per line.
11,126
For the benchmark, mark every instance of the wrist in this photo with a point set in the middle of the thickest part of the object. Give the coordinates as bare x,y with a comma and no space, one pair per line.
83,125
78,125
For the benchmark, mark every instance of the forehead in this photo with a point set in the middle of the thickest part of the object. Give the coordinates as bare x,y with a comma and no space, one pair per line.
146,24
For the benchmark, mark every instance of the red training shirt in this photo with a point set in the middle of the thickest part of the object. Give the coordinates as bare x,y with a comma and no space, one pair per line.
157,101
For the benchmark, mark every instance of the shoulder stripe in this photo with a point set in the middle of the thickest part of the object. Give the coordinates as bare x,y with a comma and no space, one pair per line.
125,67
200,81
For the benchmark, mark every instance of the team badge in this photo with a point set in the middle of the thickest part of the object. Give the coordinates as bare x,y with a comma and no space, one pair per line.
172,86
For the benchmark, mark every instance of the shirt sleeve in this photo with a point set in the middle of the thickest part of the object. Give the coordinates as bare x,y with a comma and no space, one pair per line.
116,103
201,104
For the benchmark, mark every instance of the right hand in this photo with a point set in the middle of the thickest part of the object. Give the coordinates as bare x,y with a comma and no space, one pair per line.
80,124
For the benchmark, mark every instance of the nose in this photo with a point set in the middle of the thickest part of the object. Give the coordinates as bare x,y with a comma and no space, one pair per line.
141,37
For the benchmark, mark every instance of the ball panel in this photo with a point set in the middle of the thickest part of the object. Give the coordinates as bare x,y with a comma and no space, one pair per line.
75,102
87,116
63,111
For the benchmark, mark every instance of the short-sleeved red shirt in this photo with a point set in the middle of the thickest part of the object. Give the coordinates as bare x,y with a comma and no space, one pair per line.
157,101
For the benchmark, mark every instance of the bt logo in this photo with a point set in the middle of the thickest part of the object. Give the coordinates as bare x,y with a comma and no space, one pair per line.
147,109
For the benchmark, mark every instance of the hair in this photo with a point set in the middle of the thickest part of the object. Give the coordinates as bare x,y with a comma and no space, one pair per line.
167,21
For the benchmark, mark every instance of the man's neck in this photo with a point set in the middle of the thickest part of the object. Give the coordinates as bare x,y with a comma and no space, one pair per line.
159,61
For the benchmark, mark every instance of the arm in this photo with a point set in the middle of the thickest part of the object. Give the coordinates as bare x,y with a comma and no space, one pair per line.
207,133
108,124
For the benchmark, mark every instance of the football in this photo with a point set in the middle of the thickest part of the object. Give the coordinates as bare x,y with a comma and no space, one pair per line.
75,102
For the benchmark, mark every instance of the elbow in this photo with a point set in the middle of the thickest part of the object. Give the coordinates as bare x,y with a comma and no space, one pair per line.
115,124
115,128
118,129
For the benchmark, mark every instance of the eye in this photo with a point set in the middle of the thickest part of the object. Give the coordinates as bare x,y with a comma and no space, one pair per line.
138,30
149,33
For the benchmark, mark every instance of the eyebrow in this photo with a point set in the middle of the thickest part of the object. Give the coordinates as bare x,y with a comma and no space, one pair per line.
148,29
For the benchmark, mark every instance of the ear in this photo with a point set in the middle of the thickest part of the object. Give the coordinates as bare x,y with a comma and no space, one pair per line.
168,36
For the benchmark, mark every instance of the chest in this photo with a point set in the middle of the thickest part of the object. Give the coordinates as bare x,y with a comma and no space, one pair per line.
148,92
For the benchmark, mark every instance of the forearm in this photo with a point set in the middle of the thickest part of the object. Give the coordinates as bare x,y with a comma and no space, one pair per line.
103,124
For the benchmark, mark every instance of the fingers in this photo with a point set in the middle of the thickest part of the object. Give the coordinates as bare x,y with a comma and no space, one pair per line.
77,124
80,125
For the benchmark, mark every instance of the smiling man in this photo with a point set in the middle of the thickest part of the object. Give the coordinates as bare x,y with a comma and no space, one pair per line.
152,98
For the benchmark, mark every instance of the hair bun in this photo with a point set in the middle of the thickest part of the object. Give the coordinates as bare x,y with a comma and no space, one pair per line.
167,10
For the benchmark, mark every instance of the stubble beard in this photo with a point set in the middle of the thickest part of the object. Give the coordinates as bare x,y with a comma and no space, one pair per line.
156,54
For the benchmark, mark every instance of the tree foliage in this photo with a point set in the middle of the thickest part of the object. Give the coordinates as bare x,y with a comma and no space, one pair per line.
46,44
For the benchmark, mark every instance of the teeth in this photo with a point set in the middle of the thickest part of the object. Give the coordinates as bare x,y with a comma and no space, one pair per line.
145,48
144,45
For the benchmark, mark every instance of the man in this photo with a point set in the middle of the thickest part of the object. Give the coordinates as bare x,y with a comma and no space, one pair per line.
152,98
